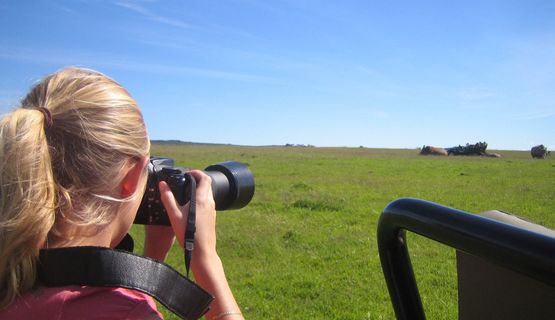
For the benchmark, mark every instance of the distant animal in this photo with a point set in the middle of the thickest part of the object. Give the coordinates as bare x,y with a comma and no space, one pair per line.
539,152
477,149
434,151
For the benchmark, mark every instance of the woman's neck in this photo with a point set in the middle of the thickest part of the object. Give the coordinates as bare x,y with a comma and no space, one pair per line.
75,236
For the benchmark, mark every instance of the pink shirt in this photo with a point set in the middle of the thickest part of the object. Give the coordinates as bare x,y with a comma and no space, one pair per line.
81,302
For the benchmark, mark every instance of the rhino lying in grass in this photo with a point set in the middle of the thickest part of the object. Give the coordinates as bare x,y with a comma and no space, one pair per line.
434,151
477,149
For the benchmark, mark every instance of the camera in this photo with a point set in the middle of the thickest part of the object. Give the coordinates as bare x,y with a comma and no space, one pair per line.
232,187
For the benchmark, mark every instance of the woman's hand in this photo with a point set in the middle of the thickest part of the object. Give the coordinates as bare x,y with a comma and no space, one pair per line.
205,235
159,239
206,264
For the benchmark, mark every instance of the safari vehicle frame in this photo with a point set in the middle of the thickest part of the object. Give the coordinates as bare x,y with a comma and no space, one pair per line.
525,252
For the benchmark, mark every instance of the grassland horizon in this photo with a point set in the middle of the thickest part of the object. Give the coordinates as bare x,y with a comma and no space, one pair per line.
176,142
305,247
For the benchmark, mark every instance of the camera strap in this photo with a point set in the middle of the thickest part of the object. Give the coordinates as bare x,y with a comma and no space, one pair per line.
190,228
105,267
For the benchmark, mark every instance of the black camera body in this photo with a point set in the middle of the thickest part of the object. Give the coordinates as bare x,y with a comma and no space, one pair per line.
232,187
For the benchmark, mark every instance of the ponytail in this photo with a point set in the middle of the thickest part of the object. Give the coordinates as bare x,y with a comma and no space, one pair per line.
62,157
27,199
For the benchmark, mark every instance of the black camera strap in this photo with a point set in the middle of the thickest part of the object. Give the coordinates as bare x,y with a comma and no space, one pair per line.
104,267
190,228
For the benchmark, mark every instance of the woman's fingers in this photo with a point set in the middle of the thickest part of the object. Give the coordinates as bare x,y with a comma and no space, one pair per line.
176,214
205,236
204,187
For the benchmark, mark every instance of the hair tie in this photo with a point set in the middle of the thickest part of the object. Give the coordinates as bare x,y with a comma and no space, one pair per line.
47,117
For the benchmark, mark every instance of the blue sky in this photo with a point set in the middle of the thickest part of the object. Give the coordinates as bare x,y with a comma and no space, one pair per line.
397,74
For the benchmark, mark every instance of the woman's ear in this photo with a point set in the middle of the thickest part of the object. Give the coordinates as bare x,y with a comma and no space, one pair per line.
130,182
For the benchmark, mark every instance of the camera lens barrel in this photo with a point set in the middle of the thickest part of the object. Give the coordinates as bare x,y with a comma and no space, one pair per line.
232,184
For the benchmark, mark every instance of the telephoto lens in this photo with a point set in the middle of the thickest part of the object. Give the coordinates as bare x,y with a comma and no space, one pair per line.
232,184
232,187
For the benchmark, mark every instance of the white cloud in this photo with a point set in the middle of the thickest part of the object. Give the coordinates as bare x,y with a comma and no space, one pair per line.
153,16
63,58
380,115
532,115
474,93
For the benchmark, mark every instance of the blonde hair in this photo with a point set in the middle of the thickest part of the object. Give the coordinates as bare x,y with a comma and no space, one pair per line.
62,164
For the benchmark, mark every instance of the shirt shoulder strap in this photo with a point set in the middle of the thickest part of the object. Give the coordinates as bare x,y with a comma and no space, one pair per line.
104,267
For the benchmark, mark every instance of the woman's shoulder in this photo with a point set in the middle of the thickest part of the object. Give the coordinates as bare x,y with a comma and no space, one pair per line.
82,302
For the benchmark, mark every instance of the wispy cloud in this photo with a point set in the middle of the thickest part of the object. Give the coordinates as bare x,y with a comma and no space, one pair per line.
380,115
474,93
62,7
209,28
266,6
357,111
132,6
191,71
244,56
538,114
98,59
368,71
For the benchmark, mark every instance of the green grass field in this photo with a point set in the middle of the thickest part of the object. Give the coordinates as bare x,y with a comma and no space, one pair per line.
305,247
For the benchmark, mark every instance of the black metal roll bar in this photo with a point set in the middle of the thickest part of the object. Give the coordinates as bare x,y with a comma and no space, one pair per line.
520,250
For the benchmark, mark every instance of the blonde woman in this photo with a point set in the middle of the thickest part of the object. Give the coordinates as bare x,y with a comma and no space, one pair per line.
73,163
